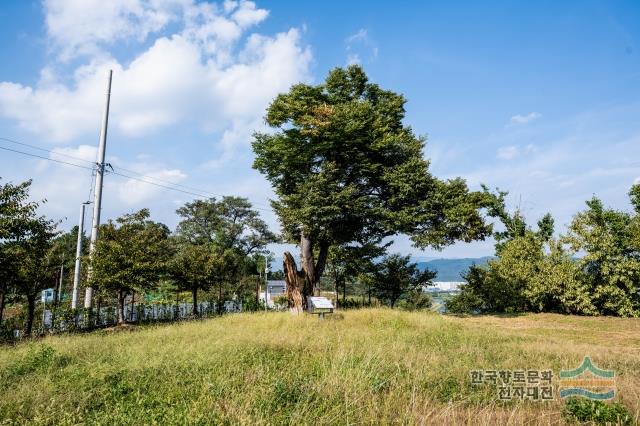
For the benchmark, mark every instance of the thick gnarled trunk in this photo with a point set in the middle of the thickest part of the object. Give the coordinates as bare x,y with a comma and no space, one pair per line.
307,281
295,283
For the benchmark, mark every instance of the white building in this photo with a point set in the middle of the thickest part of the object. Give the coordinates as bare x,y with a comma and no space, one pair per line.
445,286
273,290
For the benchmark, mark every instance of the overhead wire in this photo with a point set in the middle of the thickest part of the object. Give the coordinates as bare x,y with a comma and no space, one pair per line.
142,177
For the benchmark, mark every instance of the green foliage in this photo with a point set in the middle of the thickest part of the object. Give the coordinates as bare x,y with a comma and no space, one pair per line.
396,277
347,170
534,272
131,253
25,242
217,243
416,300
611,263
598,412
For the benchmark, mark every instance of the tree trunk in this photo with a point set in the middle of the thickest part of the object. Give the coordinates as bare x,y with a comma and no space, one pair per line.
344,292
132,306
177,312
194,293
311,268
31,310
98,307
1,306
121,300
294,280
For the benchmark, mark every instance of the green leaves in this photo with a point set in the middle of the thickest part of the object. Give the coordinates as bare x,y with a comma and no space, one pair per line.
396,277
131,253
346,168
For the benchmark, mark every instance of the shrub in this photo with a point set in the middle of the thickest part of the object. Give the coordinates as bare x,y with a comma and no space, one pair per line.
586,410
416,300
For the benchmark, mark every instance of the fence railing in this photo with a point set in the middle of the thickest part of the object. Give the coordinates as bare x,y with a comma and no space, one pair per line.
64,320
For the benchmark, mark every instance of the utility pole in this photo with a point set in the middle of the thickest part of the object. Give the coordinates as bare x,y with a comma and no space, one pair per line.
266,282
76,272
97,201
59,295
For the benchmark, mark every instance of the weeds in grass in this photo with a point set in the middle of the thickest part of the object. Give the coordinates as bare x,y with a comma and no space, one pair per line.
598,412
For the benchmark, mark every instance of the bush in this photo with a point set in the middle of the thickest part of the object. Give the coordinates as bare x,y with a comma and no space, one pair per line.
586,410
416,300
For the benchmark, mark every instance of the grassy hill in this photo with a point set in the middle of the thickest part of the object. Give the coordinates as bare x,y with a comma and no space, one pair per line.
451,269
368,366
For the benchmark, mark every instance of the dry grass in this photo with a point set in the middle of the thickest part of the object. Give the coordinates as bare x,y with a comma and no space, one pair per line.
362,367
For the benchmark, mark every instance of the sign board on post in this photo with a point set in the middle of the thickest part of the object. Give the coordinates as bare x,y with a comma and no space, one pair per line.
319,306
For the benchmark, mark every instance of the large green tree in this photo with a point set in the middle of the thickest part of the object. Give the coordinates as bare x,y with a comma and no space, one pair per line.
345,168
224,236
131,255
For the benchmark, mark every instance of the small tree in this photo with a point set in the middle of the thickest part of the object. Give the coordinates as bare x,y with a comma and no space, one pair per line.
611,264
37,270
130,255
397,276
16,219
193,268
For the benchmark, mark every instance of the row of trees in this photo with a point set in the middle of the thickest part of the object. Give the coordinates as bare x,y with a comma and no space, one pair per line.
594,269
218,245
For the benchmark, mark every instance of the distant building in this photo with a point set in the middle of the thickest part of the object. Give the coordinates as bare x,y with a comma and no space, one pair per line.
274,289
445,286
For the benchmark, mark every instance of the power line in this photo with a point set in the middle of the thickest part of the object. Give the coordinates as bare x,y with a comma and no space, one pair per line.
45,150
170,187
201,193
46,158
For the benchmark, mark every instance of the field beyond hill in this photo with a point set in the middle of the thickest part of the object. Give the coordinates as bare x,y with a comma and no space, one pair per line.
367,366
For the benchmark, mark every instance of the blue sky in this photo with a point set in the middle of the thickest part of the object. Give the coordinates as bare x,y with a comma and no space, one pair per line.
538,98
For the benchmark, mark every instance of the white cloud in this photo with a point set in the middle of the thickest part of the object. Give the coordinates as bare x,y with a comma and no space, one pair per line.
135,191
361,35
201,75
78,27
636,181
507,152
524,119
511,152
360,45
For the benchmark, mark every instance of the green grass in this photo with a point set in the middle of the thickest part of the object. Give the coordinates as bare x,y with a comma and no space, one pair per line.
366,366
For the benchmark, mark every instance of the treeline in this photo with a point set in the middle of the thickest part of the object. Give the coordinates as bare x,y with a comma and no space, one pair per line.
593,269
218,247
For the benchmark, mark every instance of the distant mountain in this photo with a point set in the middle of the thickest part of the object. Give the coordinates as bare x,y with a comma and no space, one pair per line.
447,269
451,269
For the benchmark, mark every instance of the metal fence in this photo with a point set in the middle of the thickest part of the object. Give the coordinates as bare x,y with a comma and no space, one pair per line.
64,320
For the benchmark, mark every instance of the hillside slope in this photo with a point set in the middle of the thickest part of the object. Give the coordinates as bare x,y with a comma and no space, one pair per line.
369,366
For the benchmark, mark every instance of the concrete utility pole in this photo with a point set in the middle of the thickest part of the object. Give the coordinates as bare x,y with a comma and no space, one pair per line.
97,201
266,282
59,292
76,272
